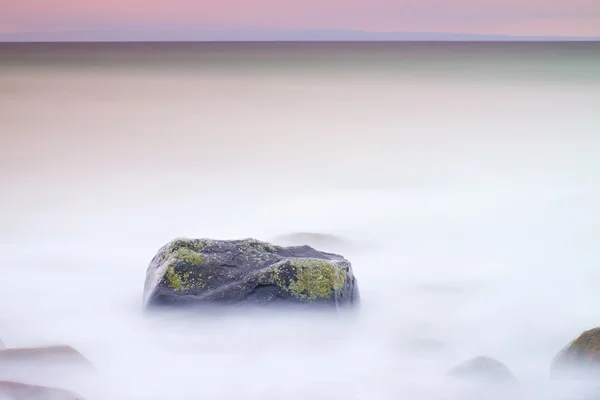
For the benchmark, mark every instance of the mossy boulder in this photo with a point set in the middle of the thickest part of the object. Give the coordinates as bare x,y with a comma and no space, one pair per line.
483,369
188,272
580,359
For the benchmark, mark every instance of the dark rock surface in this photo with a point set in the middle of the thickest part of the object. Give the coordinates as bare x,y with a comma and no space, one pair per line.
483,369
188,272
580,359
22,391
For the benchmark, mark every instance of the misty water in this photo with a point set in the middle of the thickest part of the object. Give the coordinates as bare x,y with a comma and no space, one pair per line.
466,181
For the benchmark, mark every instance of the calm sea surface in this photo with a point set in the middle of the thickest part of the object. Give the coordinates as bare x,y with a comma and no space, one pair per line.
465,177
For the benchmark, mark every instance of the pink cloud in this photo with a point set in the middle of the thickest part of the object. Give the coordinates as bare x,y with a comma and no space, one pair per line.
573,17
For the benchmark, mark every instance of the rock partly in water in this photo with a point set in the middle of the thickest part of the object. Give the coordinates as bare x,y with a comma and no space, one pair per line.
483,369
313,239
425,346
188,272
22,391
53,355
580,359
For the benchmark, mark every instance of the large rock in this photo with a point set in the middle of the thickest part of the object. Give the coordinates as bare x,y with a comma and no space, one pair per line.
580,359
203,271
22,391
483,369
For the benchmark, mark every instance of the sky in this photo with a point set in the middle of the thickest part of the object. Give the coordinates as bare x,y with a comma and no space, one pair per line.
496,17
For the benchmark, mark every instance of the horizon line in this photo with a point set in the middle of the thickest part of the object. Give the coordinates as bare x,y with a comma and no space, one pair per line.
224,41
499,40
272,35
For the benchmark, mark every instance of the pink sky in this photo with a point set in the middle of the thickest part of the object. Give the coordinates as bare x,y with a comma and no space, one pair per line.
514,17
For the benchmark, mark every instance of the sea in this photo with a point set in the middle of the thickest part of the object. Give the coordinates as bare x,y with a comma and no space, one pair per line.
462,179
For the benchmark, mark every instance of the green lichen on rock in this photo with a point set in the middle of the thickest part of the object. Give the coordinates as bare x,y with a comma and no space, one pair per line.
274,276
196,245
316,278
189,256
260,245
183,249
180,281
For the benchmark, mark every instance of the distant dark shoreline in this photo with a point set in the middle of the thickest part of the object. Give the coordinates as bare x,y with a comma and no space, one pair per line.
322,50
510,61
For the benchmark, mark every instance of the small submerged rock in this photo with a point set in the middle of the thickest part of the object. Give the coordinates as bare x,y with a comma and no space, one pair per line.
426,345
580,359
313,239
48,354
23,391
188,272
41,366
483,369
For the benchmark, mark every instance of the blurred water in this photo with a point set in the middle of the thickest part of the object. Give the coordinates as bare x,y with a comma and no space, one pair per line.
476,201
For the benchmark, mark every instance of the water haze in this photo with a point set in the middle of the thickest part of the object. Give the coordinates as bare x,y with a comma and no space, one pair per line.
464,178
